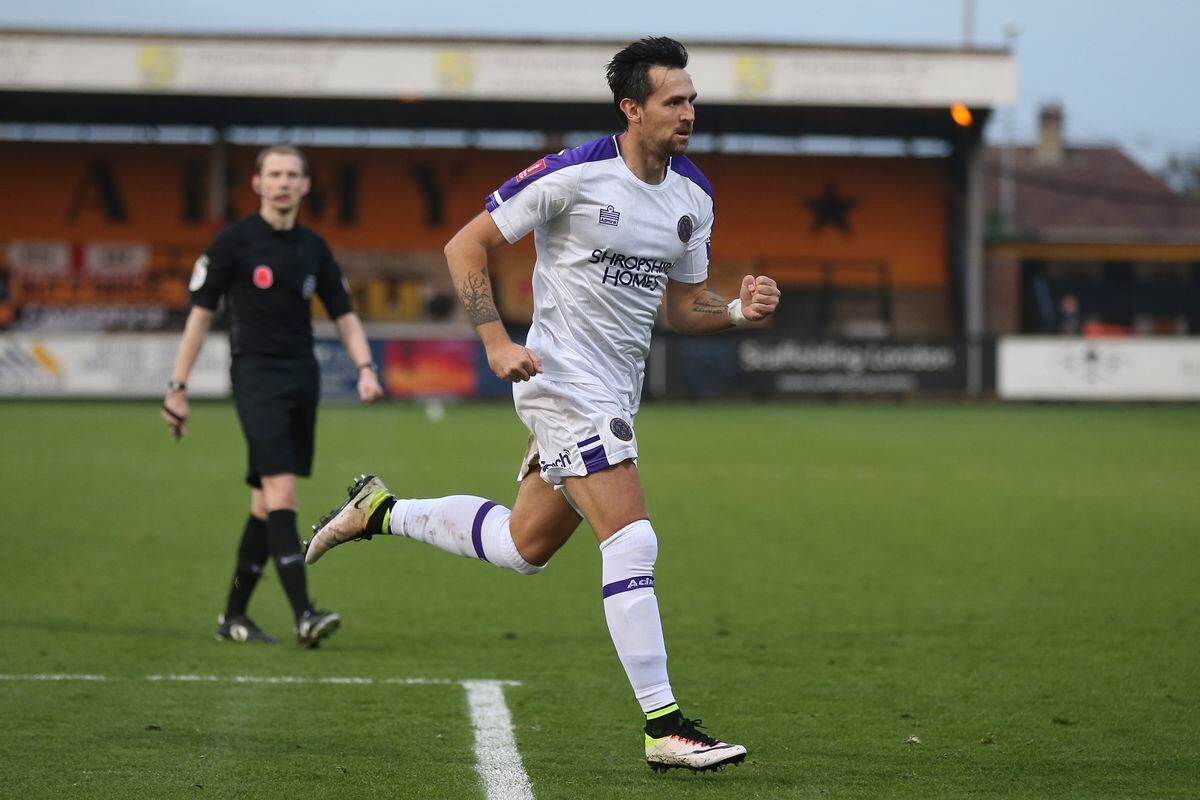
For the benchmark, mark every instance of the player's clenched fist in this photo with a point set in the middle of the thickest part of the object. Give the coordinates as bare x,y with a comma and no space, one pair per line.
512,362
760,297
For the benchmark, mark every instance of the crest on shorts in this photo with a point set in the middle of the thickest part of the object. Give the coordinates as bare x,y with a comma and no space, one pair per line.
199,274
620,429
263,276
685,227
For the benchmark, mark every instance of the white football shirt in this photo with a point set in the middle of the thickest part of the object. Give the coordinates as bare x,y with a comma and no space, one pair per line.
607,243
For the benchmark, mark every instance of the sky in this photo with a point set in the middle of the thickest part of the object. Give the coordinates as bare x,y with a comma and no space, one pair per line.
1124,70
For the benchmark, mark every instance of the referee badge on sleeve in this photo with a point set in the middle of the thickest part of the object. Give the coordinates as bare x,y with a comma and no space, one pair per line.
199,274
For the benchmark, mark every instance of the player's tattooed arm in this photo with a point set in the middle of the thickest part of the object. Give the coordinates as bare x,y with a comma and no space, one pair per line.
466,256
695,309
708,302
476,294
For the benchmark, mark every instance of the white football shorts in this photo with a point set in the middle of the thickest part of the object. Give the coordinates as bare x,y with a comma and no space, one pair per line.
575,429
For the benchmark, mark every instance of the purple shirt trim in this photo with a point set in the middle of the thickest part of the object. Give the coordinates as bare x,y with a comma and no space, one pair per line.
628,585
586,442
477,528
684,166
600,149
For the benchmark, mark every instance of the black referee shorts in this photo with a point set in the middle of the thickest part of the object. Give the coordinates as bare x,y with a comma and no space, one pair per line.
276,402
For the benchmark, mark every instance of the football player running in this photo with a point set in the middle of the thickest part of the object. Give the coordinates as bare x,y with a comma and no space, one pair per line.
621,224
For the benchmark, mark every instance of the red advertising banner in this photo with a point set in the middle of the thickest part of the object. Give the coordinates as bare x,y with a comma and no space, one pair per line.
430,368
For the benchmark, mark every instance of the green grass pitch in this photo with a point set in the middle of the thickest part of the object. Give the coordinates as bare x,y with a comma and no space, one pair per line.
1017,588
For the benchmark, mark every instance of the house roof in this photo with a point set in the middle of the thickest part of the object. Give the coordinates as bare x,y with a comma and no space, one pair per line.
1094,195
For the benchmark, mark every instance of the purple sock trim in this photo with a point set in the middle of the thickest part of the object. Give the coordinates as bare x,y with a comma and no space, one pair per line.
477,528
628,585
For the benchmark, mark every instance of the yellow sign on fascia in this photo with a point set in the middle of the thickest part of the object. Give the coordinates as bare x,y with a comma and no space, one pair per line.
157,66
455,70
752,75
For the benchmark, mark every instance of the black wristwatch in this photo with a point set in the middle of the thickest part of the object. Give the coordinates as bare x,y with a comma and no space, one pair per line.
177,386
371,365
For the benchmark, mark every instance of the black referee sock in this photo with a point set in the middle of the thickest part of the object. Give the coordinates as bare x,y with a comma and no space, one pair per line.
285,549
252,557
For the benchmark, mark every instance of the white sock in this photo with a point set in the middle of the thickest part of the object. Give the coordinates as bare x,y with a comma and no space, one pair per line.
631,609
464,525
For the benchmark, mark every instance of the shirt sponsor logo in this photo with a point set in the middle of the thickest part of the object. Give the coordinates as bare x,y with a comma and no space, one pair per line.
264,278
652,265
685,227
532,169
199,274
609,216
620,429
623,270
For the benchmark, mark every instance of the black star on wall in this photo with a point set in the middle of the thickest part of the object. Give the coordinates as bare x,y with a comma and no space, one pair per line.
831,209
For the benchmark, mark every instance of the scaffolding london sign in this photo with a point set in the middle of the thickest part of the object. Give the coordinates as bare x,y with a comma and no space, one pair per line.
792,366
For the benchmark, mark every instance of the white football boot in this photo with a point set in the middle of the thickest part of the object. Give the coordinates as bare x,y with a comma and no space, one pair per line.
348,522
688,748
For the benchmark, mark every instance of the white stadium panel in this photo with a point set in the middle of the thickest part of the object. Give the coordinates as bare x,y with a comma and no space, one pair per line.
112,365
493,70
1074,368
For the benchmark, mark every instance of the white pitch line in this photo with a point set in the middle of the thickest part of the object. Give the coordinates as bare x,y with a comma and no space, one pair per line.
276,679
497,759
53,677
496,756
296,679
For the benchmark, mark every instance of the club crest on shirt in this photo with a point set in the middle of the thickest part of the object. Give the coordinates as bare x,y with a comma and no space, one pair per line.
685,227
532,169
199,274
620,429
263,276
310,284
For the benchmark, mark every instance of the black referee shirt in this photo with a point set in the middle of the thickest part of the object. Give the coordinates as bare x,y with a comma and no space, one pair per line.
268,278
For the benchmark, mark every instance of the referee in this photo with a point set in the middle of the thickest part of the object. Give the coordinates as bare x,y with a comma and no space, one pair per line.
268,267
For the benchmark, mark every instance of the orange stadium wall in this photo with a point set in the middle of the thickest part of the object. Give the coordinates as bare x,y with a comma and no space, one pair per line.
392,211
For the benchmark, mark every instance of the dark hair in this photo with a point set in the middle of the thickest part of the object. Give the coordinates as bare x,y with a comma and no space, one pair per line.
281,150
629,71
